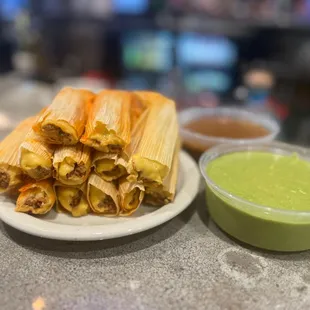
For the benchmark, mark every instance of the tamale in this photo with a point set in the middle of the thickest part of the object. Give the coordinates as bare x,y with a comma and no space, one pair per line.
73,199
131,196
159,194
151,157
36,157
11,174
63,122
108,125
102,196
72,164
109,166
36,198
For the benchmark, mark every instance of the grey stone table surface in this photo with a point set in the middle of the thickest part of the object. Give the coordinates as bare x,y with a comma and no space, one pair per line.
187,263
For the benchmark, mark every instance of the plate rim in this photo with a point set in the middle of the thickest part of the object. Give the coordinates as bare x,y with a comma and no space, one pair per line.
38,227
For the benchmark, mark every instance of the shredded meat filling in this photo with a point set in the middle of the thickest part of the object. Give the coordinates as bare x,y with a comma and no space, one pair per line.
134,198
41,173
57,133
114,148
78,171
107,204
36,201
4,179
76,199
154,197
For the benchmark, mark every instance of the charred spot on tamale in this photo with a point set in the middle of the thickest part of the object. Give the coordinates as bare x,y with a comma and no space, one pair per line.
4,179
55,134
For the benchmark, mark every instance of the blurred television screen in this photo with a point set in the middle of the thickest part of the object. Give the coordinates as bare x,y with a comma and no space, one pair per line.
199,50
208,80
148,51
130,6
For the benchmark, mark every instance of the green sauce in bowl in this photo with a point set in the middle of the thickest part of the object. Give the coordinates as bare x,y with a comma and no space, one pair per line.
260,194
268,179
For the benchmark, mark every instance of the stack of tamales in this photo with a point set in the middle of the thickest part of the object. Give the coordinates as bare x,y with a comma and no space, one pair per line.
93,153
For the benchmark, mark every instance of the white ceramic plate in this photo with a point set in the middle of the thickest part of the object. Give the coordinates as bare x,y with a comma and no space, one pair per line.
91,227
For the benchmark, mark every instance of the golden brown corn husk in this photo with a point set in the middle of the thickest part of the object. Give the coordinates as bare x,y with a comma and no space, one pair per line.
11,174
36,157
63,122
131,196
108,126
160,194
136,136
36,198
72,199
109,166
102,196
136,110
151,156
148,98
72,164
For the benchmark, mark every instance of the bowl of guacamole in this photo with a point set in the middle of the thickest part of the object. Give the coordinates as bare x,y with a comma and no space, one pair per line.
260,194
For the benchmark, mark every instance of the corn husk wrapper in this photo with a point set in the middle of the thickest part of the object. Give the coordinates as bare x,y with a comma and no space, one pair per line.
136,136
109,166
72,199
36,198
152,152
11,174
160,194
36,157
64,120
131,196
72,164
102,196
148,98
108,126
136,110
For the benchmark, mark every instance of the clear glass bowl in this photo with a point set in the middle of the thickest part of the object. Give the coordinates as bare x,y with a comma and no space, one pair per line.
202,142
258,225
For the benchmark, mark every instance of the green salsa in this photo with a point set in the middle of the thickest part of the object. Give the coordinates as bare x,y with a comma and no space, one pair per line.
267,179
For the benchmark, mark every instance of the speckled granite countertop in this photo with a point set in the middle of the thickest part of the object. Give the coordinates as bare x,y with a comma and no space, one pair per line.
187,263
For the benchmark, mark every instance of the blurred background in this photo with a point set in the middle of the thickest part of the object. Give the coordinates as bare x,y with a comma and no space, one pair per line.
249,53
